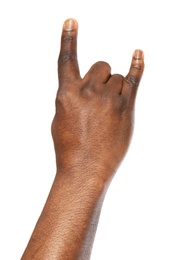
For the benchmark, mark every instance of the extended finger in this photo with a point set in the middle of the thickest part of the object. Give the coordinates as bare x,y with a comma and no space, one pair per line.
132,80
67,62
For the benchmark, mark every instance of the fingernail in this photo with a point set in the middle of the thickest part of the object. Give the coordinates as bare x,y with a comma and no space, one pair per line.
70,25
138,54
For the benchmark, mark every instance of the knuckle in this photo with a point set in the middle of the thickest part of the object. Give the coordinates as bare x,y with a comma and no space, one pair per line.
58,99
60,102
88,91
117,78
67,39
66,95
137,64
102,65
137,67
132,80
66,56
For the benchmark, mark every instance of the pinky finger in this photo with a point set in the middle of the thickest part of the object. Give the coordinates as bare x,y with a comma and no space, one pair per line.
132,80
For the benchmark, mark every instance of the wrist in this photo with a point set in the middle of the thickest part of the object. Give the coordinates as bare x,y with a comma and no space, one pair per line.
77,178
87,167
91,176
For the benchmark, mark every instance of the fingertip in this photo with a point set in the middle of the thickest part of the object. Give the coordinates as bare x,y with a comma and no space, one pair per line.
70,25
138,54
135,72
137,64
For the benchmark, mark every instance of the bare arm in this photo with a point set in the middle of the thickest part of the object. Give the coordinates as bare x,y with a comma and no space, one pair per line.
91,130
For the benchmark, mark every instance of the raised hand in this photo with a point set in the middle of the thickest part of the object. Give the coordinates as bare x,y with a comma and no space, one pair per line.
91,130
94,116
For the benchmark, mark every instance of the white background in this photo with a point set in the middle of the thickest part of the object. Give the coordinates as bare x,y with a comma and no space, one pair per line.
143,213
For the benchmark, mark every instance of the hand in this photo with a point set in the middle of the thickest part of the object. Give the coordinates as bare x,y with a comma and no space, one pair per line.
94,117
91,130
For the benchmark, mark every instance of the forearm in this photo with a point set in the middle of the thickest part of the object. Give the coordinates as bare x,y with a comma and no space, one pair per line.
67,225
92,128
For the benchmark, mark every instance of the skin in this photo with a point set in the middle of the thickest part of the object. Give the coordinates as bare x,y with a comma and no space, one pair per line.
91,130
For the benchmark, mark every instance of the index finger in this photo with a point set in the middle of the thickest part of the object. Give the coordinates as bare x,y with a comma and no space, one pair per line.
67,61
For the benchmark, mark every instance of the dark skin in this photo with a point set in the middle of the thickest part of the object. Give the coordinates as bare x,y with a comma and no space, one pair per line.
92,130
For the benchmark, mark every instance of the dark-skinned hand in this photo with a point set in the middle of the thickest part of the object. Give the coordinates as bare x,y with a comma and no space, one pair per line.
94,117
91,130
